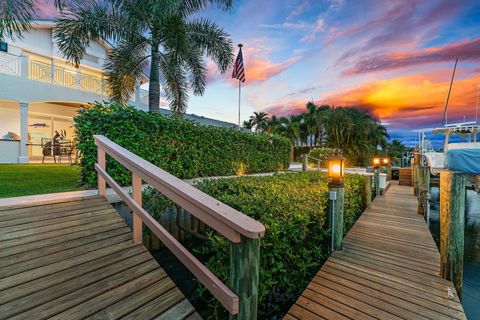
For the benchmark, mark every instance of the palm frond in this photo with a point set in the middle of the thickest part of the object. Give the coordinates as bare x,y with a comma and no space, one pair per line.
16,17
124,68
213,40
86,21
175,84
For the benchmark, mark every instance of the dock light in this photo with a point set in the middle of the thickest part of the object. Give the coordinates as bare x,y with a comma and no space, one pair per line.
385,161
376,162
336,169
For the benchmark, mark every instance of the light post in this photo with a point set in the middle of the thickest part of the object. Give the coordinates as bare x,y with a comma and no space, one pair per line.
376,175
336,166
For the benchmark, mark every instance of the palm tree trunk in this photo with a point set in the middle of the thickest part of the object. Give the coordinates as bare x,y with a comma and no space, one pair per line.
154,84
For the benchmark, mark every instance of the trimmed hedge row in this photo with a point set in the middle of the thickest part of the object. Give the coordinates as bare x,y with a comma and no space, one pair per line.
293,208
182,147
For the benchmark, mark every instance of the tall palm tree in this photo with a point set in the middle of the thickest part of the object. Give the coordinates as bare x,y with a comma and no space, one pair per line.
290,128
259,120
145,32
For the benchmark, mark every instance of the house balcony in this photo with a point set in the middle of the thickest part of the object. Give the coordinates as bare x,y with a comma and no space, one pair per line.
26,78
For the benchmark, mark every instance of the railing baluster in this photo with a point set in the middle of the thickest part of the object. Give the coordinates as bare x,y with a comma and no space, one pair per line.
101,181
137,196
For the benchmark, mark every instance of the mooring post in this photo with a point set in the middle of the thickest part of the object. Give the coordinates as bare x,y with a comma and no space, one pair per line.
452,224
423,185
304,162
376,181
244,269
367,186
415,163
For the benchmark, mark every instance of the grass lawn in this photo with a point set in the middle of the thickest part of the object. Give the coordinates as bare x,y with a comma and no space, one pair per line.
27,179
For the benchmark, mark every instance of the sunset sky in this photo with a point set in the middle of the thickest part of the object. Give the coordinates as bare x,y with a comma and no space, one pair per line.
393,58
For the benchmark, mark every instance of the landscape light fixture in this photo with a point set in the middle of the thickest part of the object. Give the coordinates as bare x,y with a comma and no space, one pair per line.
336,170
376,162
385,161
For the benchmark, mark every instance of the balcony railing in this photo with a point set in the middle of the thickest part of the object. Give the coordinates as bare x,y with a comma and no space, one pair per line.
59,76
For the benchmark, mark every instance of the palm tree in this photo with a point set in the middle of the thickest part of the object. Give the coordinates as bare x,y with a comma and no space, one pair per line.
248,124
289,128
160,34
259,120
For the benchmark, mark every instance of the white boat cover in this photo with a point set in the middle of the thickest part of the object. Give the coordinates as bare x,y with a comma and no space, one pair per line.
436,161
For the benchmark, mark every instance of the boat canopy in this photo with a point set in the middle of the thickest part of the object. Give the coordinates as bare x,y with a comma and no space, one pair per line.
462,130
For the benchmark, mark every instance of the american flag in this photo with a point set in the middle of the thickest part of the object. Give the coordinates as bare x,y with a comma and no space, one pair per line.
238,70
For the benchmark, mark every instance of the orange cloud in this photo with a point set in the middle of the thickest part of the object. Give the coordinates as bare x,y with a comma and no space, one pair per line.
412,100
404,102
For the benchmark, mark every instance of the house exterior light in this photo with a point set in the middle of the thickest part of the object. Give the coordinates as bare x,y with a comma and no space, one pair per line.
336,169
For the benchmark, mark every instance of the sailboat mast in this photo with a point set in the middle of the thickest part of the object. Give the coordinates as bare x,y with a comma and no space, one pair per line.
445,114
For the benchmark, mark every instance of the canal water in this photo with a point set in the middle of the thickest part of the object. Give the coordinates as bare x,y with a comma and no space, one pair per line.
471,273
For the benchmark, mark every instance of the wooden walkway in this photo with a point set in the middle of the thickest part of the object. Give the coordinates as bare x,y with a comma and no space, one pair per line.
76,260
388,269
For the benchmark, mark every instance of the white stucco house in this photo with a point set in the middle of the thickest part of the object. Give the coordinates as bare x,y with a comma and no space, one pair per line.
40,92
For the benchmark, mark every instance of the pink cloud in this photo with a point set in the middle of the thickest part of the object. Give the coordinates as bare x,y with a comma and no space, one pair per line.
463,50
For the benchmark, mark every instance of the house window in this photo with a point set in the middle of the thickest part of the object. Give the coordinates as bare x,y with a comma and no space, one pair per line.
3,46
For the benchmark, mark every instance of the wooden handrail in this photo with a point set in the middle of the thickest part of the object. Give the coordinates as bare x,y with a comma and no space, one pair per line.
224,219
219,290
243,231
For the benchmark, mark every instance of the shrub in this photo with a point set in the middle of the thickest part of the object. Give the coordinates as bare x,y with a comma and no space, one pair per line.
182,147
293,208
323,154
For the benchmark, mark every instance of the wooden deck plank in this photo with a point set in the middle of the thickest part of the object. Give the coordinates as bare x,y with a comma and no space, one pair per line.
76,259
388,269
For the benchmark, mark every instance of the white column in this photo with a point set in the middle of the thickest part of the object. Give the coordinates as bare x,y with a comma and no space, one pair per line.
24,66
23,133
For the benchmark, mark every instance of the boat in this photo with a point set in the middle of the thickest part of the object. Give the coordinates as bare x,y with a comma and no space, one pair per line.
456,156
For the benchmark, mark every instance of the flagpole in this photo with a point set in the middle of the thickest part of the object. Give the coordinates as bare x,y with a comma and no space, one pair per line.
239,97
239,92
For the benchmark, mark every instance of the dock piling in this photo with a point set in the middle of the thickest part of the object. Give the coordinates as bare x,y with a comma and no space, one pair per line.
452,225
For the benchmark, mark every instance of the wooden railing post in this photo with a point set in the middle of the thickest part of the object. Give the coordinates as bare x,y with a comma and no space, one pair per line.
137,196
376,181
304,162
367,186
452,224
101,162
337,203
244,269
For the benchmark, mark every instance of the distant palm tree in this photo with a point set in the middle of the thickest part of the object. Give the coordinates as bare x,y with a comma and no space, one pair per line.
259,120
290,128
248,124
160,34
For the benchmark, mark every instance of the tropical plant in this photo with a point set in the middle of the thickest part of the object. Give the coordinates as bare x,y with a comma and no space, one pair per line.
260,121
396,150
158,35
248,124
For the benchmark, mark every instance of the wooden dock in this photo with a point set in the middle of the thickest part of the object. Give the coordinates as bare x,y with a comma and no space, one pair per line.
76,260
388,269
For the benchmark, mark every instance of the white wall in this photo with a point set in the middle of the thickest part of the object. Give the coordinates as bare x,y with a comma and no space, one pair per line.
9,118
9,151
38,41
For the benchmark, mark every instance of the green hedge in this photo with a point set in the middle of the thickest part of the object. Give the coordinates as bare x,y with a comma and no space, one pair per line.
293,208
182,147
